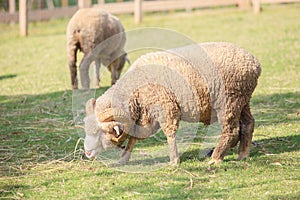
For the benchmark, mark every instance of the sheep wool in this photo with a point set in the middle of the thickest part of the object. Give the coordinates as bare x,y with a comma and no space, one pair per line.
101,38
198,83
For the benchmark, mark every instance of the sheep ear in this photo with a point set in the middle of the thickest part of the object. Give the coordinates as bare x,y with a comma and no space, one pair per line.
90,106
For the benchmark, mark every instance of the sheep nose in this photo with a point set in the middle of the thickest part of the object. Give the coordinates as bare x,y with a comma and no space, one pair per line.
88,153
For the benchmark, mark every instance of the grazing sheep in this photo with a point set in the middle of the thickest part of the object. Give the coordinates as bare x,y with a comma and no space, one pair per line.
88,28
198,83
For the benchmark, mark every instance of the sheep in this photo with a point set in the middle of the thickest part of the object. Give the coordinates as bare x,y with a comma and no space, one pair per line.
205,83
101,38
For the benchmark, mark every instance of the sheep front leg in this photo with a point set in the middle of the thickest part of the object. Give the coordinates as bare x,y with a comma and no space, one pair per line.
115,73
127,151
169,122
84,70
174,156
97,73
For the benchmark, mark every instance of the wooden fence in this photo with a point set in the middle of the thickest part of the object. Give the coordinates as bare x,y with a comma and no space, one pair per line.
137,7
115,8
256,4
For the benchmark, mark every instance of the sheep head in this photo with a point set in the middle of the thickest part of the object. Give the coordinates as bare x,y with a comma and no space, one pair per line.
122,60
117,65
115,123
105,130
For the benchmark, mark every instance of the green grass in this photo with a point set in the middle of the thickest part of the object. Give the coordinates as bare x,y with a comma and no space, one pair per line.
39,155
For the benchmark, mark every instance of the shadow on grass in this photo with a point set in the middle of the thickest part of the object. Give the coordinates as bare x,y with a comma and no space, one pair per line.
276,108
270,146
9,191
7,76
286,196
276,145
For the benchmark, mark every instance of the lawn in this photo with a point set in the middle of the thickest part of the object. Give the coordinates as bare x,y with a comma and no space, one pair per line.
41,153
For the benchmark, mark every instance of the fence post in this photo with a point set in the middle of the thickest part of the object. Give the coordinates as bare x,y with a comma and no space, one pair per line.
12,9
256,6
138,12
84,3
23,17
244,4
64,3
12,6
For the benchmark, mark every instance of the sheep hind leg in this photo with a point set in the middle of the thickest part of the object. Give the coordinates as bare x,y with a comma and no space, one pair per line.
230,133
84,70
246,132
72,58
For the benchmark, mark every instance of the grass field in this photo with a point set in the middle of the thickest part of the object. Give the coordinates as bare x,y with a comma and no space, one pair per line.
39,158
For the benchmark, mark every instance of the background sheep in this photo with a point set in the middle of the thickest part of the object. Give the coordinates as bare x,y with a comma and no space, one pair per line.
206,83
85,31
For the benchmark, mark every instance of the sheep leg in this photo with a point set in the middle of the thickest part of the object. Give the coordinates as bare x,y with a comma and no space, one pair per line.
127,151
230,132
169,123
168,119
84,70
97,73
72,58
174,156
246,133
115,74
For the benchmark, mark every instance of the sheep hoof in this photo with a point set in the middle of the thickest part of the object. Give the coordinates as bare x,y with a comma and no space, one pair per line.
214,161
242,156
175,161
97,86
125,158
122,161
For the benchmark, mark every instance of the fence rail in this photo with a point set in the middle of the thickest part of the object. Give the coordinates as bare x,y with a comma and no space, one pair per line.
116,8
128,7
40,15
136,6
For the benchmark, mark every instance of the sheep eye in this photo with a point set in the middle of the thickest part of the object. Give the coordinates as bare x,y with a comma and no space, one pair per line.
112,132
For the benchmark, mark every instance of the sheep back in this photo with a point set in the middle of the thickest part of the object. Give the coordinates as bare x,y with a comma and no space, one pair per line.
196,83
